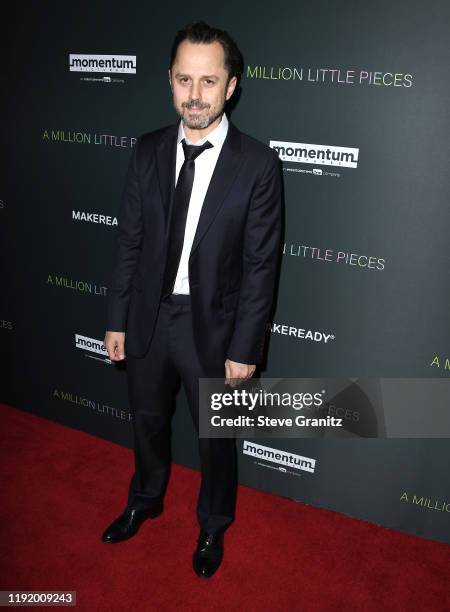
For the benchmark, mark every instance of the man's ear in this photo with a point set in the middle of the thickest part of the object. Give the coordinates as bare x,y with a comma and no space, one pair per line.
231,87
170,78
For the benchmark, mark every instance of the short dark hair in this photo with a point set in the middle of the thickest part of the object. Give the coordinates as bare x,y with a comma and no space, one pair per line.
201,32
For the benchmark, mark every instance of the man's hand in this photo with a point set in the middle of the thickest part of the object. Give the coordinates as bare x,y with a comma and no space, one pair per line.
115,345
235,370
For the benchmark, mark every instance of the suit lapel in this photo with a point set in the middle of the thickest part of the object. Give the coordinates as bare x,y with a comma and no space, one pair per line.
166,152
225,171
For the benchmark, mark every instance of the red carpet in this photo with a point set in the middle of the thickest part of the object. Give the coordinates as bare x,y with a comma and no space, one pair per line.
62,487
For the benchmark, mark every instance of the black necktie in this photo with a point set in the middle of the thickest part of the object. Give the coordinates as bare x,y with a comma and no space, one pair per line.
180,209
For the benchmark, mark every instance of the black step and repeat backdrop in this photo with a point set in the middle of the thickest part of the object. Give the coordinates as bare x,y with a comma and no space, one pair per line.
354,97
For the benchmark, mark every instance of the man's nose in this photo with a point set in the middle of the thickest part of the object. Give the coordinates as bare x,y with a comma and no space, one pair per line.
195,90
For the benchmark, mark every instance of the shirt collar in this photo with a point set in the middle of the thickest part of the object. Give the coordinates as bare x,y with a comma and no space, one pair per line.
216,137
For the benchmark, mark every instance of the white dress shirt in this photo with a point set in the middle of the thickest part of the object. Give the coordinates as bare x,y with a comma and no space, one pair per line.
204,167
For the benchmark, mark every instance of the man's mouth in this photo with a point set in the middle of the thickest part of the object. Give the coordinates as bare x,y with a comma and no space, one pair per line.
195,107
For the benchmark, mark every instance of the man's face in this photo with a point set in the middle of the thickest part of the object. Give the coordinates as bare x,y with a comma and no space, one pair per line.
198,79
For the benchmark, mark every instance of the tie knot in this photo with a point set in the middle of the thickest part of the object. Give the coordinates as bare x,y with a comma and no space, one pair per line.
193,151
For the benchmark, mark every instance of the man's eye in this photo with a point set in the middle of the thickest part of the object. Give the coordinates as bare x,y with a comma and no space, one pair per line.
209,81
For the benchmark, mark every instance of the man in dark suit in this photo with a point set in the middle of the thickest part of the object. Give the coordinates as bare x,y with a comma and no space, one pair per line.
192,283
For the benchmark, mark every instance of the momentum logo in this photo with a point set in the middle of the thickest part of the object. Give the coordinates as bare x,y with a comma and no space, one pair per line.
276,455
92,345
82,62
325,155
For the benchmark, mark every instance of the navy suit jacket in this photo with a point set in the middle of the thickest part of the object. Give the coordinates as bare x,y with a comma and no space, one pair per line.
234,258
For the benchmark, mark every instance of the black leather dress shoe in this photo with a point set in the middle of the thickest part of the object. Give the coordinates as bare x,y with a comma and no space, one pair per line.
128,523
208,554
